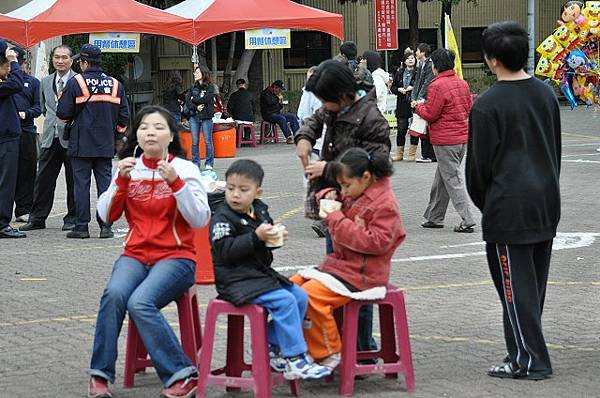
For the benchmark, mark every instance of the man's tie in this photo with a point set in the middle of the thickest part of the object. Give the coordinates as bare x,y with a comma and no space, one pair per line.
59,87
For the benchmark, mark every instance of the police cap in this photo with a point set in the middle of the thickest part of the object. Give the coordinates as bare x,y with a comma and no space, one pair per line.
88,52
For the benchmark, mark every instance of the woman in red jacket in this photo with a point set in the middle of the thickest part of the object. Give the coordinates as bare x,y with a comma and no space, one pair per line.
365,233
447,110
162,198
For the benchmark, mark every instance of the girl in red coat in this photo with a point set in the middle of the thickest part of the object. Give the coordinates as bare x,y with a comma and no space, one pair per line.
366,232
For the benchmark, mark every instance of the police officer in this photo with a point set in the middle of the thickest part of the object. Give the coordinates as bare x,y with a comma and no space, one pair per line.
96,104
11,83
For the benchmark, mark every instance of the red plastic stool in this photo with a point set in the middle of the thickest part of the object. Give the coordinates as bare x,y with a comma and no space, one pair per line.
241,127
136,355
395,343
262,379
268,127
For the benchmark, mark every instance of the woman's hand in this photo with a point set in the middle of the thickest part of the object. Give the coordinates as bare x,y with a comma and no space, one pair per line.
125,166
303,150
167,172
264,232
200,107
315,169
402,90
331,195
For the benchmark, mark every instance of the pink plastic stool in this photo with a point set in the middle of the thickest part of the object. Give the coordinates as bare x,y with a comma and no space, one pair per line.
262,379
395,343
240,135
136,355
266,127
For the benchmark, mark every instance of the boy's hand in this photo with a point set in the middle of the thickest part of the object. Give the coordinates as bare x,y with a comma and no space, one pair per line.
264,232
285,234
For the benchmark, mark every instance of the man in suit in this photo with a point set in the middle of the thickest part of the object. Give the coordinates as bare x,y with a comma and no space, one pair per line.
422,80
28,105
54,149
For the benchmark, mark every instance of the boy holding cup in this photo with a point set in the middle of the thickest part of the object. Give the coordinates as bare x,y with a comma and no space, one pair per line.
242,238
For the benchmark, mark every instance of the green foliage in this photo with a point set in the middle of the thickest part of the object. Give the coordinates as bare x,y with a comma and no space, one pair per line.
112,64
481,82
293,98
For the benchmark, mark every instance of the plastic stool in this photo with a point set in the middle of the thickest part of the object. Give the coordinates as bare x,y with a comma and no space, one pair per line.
395,343
262,379
268,127
136,355
240,134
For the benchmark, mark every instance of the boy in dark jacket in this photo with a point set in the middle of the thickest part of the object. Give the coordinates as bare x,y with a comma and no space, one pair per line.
513,171
241,228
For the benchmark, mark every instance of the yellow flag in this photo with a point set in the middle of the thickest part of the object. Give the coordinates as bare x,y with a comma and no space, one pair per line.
452,45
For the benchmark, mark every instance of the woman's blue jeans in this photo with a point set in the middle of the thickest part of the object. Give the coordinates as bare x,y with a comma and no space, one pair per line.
206,125
142,290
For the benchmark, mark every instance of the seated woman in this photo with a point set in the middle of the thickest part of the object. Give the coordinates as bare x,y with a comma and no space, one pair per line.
163,199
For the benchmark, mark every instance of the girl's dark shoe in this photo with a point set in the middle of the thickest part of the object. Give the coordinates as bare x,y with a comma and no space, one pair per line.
431,224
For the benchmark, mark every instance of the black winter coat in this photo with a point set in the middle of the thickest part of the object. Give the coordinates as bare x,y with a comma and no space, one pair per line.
269,103
242,262
201,94
403,109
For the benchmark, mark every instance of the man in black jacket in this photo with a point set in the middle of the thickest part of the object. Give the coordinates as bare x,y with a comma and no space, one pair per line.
11,83
242,104
424,75
513,169
271,104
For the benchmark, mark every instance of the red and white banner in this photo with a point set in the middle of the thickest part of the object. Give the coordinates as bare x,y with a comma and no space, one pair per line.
386,25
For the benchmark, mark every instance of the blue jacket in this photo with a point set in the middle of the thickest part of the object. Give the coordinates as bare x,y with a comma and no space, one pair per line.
10,127
106,113
28,101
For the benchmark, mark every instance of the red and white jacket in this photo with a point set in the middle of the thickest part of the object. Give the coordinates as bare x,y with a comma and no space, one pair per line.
161,216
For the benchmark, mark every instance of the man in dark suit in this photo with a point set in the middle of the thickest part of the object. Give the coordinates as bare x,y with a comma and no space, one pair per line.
54,149
422,80
28,106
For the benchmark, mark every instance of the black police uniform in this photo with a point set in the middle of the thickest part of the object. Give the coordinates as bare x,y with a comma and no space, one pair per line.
91,142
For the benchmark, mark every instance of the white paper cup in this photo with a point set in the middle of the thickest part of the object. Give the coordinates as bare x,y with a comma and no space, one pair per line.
327,206
277,238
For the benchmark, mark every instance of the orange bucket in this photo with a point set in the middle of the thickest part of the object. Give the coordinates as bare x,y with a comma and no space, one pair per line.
224,143
185,137
204,266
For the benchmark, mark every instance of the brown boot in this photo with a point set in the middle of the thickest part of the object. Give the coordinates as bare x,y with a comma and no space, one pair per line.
399,154
412,153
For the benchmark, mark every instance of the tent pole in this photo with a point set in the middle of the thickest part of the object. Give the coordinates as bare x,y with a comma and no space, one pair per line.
195,59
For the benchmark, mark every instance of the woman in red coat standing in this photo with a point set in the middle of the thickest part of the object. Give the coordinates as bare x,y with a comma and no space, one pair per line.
447,110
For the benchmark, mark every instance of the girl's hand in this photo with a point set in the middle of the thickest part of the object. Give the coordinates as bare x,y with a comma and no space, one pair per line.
315,169
167,172
125,166
264,232
331,195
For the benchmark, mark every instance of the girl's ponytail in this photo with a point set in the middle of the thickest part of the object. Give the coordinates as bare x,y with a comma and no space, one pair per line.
355,161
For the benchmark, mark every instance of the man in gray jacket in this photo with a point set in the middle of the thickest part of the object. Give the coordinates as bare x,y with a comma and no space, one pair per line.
424,75
54,149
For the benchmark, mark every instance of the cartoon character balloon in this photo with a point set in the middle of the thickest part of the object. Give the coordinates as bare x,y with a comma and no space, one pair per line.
551,49
578,61
592,13
572,11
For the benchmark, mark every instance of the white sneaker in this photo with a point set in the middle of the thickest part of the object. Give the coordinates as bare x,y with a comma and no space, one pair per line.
208,167
423,160
332,361
277,362
303,367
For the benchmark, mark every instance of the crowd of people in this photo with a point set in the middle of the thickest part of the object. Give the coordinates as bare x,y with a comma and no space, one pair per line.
342,140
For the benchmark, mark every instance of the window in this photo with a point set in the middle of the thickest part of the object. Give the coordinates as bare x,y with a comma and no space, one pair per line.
223,42
471,45
308,49
429,36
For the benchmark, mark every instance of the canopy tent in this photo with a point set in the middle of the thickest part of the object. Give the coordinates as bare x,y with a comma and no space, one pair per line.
13,29
49,18
215,17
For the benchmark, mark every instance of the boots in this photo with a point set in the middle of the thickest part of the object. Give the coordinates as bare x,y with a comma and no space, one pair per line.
399,154
412,153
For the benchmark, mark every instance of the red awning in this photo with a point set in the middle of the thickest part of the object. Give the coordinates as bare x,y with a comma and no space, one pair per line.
215,17
50,18
13,29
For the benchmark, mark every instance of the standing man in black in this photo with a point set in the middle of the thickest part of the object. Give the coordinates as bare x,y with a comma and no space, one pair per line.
513,170
11,83
53,147
28,106
424,75
96,104
241,104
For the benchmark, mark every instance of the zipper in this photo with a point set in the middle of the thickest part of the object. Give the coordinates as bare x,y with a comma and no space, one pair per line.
177,239
129,235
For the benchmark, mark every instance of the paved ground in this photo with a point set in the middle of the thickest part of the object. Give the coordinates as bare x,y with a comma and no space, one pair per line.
50,288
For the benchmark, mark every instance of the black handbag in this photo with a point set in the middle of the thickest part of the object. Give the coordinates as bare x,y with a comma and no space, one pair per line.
70,123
